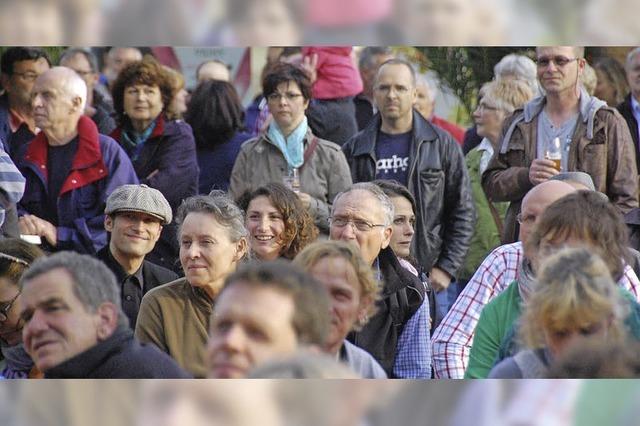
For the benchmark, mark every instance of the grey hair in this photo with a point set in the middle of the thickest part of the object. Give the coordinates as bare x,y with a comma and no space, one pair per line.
87,53
72,83
93,282
421,80
520,67
383,199
368,53
221,207
632,54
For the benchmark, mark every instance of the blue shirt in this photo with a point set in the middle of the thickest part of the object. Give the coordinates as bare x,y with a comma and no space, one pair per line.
392,153
413,354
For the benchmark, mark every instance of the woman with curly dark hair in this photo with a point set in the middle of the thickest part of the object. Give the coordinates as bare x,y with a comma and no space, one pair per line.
278,224
163,151
216,116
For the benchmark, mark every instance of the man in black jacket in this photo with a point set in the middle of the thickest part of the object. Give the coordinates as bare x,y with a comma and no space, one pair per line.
134,218
399,144
74,326
630,107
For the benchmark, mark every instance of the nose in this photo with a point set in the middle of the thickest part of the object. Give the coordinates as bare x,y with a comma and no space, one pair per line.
36,325
232,340
193,251
476,113
408,230
36,101
263,223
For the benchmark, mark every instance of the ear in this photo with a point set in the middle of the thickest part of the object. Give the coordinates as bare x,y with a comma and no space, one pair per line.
306,104
107,320
108,223
4,79
76,102
386,236
414,95
242,246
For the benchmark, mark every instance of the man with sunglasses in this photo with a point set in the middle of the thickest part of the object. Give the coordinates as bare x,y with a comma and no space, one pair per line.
594,139
397,336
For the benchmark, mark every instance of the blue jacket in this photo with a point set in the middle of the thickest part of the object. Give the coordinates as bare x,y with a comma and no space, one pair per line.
216,163
99,167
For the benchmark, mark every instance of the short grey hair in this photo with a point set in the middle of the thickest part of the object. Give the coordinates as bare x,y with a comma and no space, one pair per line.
367,55
383,199
86,52
632,54
518,66
93,282
221,207
72,84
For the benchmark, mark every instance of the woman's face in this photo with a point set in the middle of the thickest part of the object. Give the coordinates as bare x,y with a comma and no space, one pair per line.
207,254
287,105
11,328
604,89
559,340
403,227
142,103
265,225
179,102
345,296
488,118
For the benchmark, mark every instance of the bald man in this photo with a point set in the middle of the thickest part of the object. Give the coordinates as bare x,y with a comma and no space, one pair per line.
452,340
70,168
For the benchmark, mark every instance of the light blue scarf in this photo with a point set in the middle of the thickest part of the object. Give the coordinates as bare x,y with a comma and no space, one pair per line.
292,148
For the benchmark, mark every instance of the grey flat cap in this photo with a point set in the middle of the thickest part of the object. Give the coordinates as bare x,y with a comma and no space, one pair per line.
139,198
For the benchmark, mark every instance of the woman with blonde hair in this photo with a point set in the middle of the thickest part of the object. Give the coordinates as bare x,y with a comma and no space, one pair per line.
575,298
353,291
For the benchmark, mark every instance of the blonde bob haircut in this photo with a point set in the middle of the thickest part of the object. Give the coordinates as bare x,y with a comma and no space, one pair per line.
574,291
507,94
369,286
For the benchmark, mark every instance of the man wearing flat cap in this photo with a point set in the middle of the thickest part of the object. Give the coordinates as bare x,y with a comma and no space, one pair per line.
134,218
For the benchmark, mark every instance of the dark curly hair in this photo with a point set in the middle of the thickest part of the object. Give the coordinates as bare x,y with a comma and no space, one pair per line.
149,72
299,228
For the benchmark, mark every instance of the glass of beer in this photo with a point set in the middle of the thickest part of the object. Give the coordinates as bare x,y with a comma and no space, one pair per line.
553,152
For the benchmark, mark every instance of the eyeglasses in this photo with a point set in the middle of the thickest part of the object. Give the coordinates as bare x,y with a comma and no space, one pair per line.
529,219
6,307
560,61
484,107
289,96
28,75
360,225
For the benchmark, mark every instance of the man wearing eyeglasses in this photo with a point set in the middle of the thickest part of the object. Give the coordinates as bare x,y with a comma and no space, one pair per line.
397,336
594,139
20,67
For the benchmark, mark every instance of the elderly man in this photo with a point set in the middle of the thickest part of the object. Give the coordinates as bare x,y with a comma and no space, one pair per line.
98,106
400,144
213,69
265,312
74,325
452,340
425,105
70,169
21,66
134,218
397,336
594,138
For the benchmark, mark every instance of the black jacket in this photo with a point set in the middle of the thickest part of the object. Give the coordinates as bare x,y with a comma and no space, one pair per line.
402,295
439,181
120,356
152,276
626,111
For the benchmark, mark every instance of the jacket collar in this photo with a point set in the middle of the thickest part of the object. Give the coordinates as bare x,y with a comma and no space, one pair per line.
87,165
421,130
86,363
157,131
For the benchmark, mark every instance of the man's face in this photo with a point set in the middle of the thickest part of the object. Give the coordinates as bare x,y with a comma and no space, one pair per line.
394,92
133,234
250,326
633,75
82,67
52,106
19,85
120,57
358,208
57,325
558,68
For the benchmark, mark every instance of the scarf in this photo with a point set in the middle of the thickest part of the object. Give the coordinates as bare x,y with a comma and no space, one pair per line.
526,279
19,363
292,147
133,141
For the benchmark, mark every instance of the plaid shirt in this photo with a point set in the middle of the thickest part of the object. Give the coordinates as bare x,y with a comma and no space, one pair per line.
452,340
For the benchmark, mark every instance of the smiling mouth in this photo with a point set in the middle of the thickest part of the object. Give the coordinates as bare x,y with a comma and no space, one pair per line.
264,237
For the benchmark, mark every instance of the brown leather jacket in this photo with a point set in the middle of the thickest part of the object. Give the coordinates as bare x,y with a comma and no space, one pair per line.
601,146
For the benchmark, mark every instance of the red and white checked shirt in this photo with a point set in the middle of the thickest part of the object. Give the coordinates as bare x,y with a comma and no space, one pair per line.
452,340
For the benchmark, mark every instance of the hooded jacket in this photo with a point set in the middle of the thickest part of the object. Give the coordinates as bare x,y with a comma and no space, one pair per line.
601,146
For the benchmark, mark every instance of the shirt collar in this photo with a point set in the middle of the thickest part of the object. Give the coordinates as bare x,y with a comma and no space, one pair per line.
485,145
16,120
635,105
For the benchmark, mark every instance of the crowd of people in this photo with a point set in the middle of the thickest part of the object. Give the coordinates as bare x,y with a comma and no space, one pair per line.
336,227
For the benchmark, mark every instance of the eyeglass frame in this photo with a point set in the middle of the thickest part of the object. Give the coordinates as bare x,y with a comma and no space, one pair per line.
27,75
369,226
521,220
277,96
4,311
559,61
